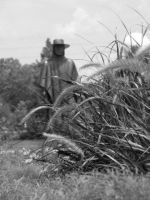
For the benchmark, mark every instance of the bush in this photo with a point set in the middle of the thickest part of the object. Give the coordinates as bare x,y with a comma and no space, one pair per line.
19,92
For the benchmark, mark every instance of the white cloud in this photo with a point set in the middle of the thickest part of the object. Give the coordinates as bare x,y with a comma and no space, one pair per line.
136,39
81,23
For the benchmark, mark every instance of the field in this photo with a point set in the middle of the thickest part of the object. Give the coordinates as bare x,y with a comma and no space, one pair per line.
23,181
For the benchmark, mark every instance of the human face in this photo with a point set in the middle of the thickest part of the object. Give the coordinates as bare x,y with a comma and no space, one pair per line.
59,50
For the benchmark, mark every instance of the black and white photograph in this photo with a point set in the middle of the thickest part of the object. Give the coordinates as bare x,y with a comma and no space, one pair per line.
74,100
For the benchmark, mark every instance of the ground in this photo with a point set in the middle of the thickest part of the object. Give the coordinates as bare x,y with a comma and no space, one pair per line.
27,144
20,180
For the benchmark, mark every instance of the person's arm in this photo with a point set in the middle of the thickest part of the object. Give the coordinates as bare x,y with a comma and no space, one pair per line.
74,74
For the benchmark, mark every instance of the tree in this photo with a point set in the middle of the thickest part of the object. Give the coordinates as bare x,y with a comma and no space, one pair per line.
46,53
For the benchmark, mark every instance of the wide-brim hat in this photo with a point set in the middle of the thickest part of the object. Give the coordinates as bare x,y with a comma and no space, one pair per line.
60,42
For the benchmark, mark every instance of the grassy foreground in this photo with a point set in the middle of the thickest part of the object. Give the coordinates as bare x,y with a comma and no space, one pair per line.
24,181
98,146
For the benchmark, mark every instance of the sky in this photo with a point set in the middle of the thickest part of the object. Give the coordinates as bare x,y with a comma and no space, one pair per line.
25,25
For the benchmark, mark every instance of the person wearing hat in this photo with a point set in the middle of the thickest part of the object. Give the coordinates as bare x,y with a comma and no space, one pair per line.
59,71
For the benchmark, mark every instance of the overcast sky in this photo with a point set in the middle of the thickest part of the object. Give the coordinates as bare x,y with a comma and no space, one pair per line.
25,25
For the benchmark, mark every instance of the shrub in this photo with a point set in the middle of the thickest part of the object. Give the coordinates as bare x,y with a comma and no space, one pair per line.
19,92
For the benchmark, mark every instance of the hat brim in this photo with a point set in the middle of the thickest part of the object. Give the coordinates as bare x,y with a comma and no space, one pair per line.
65,45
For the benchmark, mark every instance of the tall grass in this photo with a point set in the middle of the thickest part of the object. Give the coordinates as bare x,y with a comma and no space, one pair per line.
108,117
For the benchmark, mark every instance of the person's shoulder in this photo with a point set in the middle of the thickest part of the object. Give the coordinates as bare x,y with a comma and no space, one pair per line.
69,60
